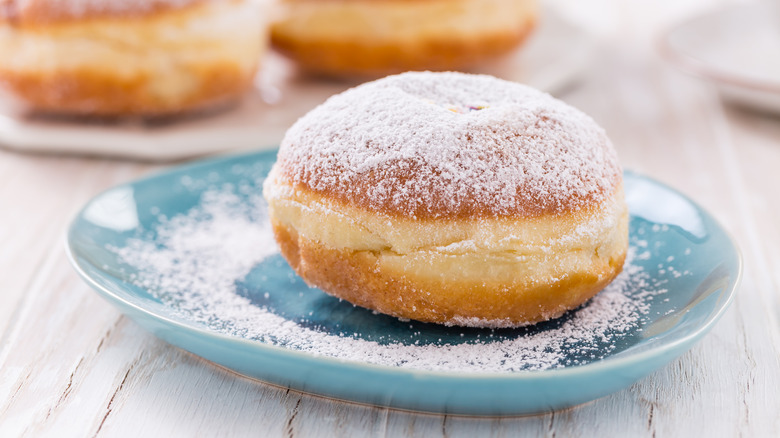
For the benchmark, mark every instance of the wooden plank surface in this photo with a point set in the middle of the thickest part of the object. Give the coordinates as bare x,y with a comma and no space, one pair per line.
71,365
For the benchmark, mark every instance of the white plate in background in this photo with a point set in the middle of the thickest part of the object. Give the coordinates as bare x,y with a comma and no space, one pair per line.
737,49
551,59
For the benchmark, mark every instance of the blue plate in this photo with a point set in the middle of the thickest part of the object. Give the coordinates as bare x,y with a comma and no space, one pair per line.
666,225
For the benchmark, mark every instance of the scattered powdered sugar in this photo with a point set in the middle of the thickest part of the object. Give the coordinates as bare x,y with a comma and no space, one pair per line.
451,144
197,263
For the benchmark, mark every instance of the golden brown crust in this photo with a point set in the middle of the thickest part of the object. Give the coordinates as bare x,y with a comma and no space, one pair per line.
364,57
44,12
102,93
362,278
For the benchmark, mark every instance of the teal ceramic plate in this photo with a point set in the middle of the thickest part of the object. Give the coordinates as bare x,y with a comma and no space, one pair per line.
684,272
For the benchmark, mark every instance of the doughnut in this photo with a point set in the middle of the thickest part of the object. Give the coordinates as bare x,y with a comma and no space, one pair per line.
119,57
450,198
378,37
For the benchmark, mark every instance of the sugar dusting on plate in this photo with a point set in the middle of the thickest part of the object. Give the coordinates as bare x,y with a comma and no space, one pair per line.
194,264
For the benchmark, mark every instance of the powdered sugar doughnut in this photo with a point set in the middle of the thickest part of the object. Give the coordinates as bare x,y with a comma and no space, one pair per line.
379,37
129,57
450,198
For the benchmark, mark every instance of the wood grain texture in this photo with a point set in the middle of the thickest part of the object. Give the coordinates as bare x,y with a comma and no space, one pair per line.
71,365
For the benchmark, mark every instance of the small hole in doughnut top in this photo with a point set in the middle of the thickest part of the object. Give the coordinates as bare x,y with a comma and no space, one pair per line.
460,109
440,145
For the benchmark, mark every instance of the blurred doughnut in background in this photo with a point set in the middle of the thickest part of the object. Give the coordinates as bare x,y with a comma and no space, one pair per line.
138,58
378,37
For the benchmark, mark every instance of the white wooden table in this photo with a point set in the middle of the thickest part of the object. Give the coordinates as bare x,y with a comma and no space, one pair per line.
71,365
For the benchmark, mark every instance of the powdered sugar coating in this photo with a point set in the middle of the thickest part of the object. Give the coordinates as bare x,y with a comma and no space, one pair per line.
60,10
431,145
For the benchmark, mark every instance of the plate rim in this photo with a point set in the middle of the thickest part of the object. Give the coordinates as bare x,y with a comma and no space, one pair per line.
600,366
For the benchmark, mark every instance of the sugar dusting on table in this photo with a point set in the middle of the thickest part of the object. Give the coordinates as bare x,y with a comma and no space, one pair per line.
195,261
